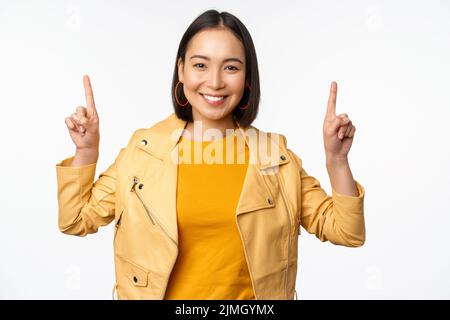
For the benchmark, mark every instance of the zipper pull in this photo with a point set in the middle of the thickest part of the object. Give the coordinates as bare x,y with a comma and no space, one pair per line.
135,182
118,221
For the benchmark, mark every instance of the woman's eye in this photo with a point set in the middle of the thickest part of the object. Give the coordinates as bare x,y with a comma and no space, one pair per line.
202,65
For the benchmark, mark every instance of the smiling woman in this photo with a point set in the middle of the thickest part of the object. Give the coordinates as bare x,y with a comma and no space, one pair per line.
209,229
216,70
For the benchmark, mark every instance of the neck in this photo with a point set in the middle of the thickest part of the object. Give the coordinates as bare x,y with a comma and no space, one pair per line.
201,125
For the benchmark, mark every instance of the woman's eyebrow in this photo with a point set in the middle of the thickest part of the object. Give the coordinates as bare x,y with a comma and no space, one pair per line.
207,58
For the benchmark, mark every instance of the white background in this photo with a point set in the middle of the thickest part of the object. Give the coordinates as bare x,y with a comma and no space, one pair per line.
391,62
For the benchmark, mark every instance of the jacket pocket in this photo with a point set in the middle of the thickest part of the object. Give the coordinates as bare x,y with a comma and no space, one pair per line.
137,274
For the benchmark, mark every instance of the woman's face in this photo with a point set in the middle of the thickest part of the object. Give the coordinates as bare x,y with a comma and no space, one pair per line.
213,75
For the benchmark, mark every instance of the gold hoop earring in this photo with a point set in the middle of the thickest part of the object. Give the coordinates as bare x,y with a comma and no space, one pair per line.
176,96
246,106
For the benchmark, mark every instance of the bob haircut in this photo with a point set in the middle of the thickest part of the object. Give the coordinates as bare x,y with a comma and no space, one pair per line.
215,19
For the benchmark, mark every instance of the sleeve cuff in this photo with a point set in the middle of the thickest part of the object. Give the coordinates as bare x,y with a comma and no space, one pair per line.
350,202
63,168
360,195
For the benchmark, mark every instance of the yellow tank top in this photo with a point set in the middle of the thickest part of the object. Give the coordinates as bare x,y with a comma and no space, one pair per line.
211,262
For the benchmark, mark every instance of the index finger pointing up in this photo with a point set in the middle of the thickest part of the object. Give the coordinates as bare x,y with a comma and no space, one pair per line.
331,108
91,110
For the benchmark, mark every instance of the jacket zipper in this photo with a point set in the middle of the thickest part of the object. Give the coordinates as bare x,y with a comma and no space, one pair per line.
118,224
149,214
289,239
133,189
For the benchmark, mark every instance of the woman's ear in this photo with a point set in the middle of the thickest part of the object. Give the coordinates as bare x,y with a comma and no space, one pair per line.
180,70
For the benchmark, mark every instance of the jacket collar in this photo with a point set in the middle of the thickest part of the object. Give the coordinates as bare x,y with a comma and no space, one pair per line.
266,149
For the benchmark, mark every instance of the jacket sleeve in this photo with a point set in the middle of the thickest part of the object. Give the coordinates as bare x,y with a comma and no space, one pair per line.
84,206
337,218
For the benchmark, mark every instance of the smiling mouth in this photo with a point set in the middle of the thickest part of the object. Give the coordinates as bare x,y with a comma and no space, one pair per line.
214,100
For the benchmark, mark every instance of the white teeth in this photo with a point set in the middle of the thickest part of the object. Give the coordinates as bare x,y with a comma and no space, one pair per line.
210,98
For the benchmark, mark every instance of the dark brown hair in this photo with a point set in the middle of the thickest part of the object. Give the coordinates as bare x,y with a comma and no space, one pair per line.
215,19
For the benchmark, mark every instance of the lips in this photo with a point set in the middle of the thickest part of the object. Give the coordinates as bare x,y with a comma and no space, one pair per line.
213,99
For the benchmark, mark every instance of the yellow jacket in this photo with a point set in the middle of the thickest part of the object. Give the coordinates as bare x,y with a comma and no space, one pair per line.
138,191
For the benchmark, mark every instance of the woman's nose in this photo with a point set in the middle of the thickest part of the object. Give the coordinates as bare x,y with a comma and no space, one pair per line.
215,80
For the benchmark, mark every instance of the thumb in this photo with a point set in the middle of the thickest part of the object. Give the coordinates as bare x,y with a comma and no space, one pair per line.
337,123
